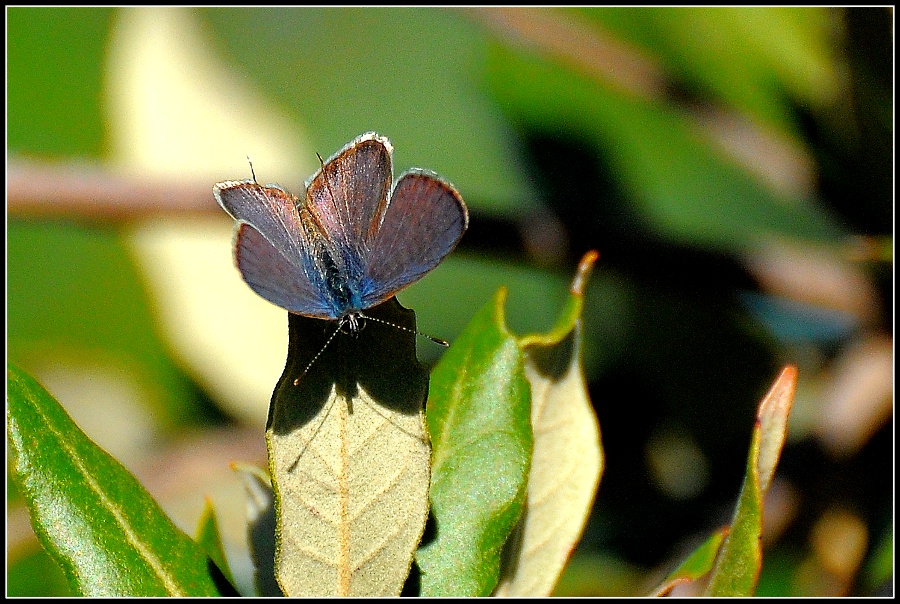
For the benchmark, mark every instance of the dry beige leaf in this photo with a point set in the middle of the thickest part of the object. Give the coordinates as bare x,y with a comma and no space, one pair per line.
565,470
772,419
350,459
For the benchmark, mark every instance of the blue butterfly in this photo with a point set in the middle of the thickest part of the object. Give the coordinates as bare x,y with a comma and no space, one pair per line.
353,242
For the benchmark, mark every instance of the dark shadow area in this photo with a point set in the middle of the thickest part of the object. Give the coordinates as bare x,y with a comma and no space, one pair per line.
552,362
223,584
687,341
413,585
380,358
261,536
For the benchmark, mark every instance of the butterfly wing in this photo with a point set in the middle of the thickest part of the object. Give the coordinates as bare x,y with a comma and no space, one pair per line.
348,247
272,249
425,219
346,200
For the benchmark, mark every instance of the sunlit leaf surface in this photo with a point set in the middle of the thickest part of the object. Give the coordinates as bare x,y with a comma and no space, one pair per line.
567,461
349,457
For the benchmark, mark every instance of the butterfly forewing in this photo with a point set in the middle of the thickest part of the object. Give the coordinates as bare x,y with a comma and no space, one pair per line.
346,200
425,220
270,210
271,247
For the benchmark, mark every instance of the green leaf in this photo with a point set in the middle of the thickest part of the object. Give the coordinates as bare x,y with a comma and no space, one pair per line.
348,456
105,531
698,564
681,186
746,56
210,540
479,421
739,563
567,460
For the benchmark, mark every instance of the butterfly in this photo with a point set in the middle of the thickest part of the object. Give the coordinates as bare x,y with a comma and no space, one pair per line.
355,240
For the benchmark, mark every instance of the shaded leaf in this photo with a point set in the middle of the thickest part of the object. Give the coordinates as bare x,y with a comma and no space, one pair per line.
105,531
349,457
479,421
740,560
746,56
260,527
567,460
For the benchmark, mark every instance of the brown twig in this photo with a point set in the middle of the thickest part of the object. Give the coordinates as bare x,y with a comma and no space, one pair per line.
588,49
65,189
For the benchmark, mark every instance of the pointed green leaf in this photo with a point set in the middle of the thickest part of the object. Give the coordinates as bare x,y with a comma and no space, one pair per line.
349,457
739,563
698,564
479,421
567,461
210,540
105,531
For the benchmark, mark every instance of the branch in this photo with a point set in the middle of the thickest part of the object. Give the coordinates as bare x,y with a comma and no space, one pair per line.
69,189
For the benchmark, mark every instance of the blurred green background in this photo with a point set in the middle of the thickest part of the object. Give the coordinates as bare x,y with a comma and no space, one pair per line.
733,167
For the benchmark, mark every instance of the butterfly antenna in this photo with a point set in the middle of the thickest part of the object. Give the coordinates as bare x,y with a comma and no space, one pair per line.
252,173
415,331
315,358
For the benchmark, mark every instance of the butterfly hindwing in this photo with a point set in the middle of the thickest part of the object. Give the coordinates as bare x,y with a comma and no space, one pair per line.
424,221
280,280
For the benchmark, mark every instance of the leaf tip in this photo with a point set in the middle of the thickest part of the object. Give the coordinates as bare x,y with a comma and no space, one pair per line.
781,394
789,373
584,271
500,305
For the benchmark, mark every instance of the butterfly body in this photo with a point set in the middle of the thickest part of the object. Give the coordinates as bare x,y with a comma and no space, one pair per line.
354,240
